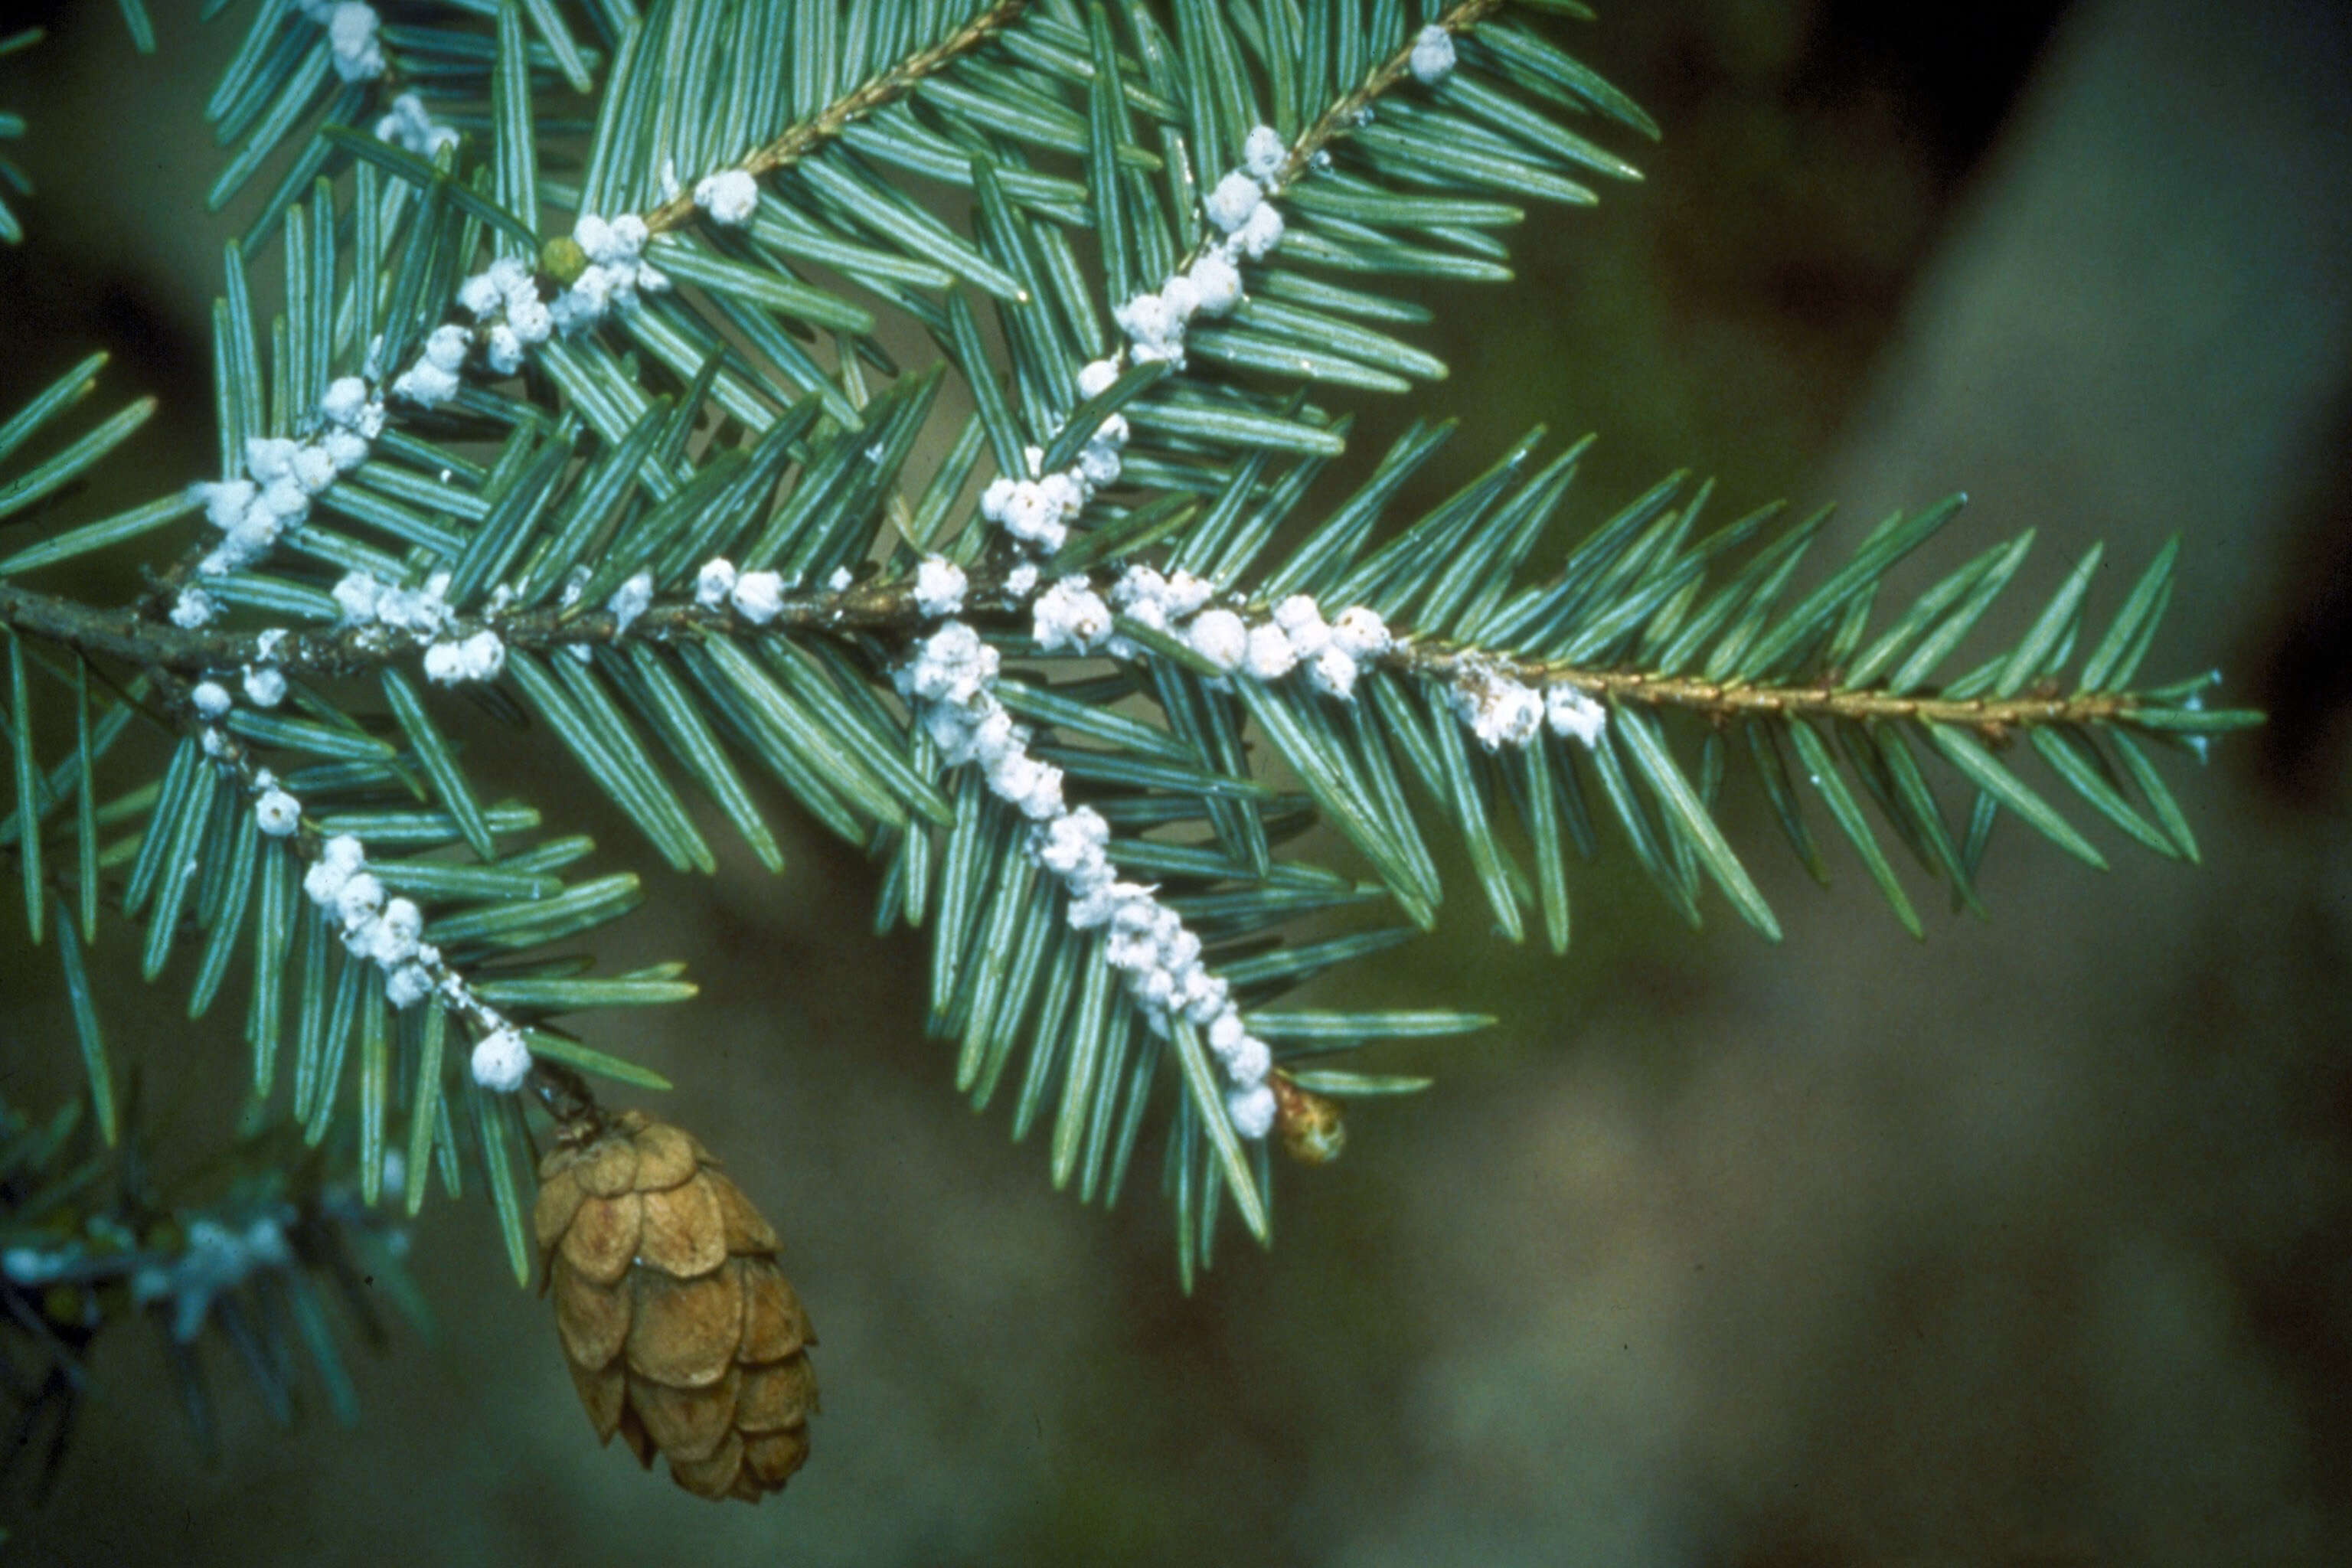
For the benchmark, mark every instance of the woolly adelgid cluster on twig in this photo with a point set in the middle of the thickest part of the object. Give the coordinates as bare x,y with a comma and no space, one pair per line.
603,434
221,1268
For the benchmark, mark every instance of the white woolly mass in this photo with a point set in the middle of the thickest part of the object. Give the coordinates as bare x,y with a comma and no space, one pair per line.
359,903
1236,197
1137,584
1251,1110
424,617
420,611
1574,715
349,405
426,383
1294,639
1181,298
509,278
1263,150
350,35
1499,711
840,580
342,855
1064,492
387,940
624,241
1333,673
714,582
501,1061
339,858
486,655
615,273
265,685
433,379
1154,331
1301,618
312,467
225,502
505,350
938,587
1262,233
194,607
629,600
758,596
951,666
1431,61
1034,515
346,449
1031,787
213,1260
446,346
411,128
211,699
505,298
1100,463
951,675
455,661
1217,283
355,595
1021,581
269,459
1269,656
281,475
406,986
1070,614
1185,594
1360,633
277,814
387,933
1074,841
1096,377
1219,636
1504,712
586,302
730,197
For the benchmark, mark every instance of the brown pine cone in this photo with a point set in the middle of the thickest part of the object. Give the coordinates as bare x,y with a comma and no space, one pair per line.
681,1332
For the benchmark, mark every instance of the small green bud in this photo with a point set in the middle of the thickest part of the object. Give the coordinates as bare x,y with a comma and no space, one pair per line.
562,259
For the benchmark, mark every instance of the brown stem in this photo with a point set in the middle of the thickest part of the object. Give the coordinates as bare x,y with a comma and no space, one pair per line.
337,651
566,1098
889,608
1725,699
892,85
1343,116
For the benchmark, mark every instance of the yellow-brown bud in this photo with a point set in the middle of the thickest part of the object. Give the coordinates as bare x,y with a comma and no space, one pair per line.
1309,1124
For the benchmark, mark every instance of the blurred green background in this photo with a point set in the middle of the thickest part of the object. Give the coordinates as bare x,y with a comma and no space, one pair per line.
2033,1244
